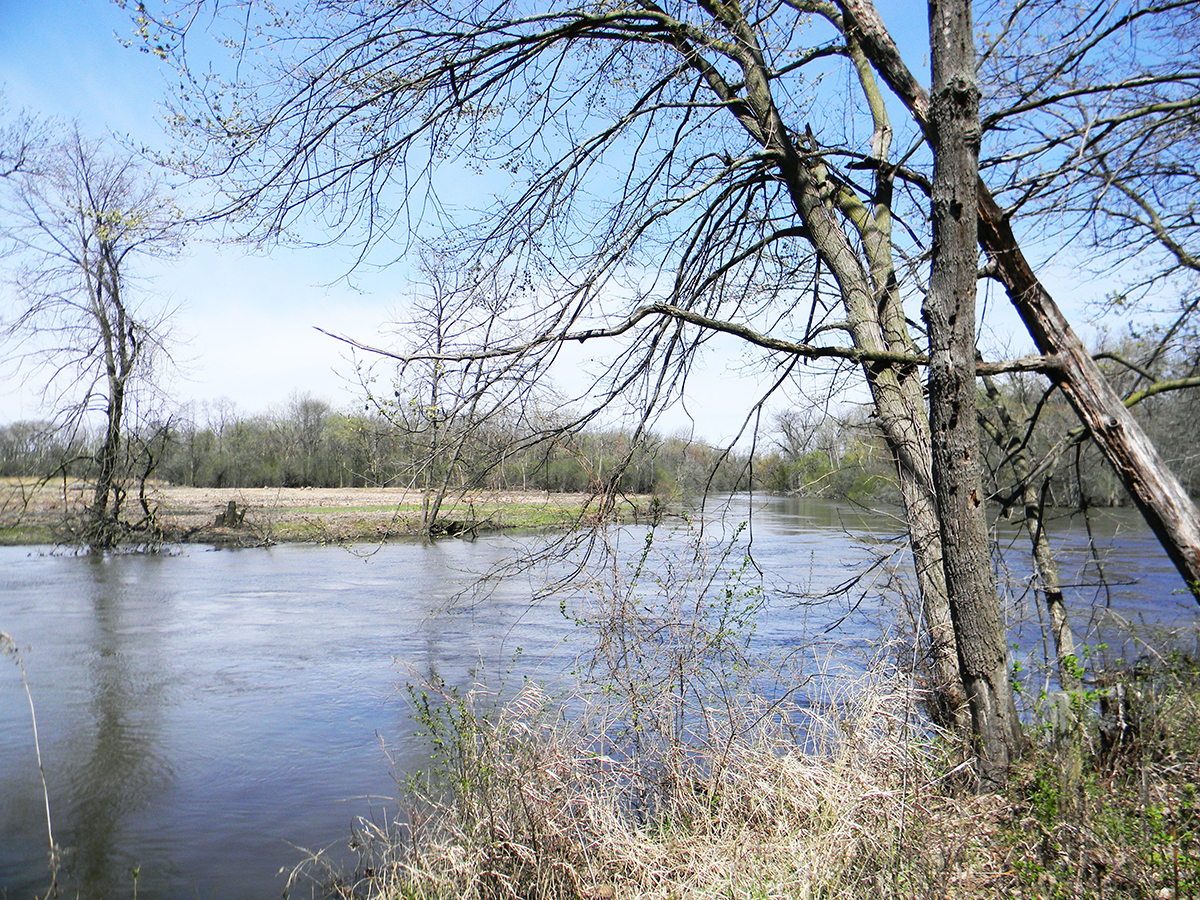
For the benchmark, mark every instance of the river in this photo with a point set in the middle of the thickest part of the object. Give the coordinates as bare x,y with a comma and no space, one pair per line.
206,716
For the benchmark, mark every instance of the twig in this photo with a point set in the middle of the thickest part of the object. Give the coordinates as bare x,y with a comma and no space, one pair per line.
8,645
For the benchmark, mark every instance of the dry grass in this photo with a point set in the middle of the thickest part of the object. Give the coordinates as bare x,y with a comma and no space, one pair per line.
542,799
31,512
528,802
686,766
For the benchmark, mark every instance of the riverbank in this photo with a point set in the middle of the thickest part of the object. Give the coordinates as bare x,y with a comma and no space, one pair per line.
865,806
36,514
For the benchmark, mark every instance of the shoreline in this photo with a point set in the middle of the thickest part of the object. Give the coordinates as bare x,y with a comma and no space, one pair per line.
32,514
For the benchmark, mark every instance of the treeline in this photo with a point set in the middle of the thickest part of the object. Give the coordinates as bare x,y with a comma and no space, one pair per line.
1024,420
807,451
308,443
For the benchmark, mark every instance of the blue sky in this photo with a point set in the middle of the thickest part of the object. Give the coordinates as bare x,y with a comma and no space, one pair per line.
246,326
245,329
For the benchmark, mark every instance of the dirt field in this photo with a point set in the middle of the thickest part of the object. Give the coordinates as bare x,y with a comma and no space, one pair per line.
31,515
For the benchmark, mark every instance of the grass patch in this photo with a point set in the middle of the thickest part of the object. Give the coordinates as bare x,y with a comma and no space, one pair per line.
365,530
1127,827
26,535
548,799
34,513
525,801
369,509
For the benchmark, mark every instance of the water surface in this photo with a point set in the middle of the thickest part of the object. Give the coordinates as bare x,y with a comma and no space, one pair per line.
204,715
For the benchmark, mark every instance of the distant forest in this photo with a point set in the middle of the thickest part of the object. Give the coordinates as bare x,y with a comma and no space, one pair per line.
812,452
309,443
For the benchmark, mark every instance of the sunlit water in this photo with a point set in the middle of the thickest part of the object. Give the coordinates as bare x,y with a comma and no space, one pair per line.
203,716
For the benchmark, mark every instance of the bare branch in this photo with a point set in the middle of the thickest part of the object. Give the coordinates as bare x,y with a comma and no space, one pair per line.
1041,364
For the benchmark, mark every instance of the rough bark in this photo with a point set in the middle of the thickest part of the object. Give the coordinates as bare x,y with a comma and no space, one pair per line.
949,312
903,420
1164,503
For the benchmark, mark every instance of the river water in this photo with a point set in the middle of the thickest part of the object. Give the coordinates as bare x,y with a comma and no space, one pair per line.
209,715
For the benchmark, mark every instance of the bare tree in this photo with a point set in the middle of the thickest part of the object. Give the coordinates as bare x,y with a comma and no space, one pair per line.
742,221
447,409
21,138
304,421
664,173
765,238
78,221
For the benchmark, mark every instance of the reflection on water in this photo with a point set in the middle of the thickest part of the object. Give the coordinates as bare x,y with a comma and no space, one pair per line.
112,757
203,715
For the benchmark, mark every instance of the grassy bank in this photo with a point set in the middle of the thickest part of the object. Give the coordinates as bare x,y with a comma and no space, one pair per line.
32,513
528,800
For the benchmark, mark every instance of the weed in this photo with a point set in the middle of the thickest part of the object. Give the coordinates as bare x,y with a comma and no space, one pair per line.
9,648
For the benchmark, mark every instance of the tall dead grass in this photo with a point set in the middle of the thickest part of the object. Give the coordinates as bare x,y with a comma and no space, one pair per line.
529,800
544,799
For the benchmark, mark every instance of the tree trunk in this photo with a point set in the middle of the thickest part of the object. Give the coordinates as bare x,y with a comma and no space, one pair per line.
909,440
875,318
106,505
900,405
1164,503
949,312
106,468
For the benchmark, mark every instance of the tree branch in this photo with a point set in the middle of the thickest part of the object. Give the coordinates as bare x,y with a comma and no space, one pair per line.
1044,365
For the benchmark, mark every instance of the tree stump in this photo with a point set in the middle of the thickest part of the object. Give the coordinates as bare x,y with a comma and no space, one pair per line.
231,518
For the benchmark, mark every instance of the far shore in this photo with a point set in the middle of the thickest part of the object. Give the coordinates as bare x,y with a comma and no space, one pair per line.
33,514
